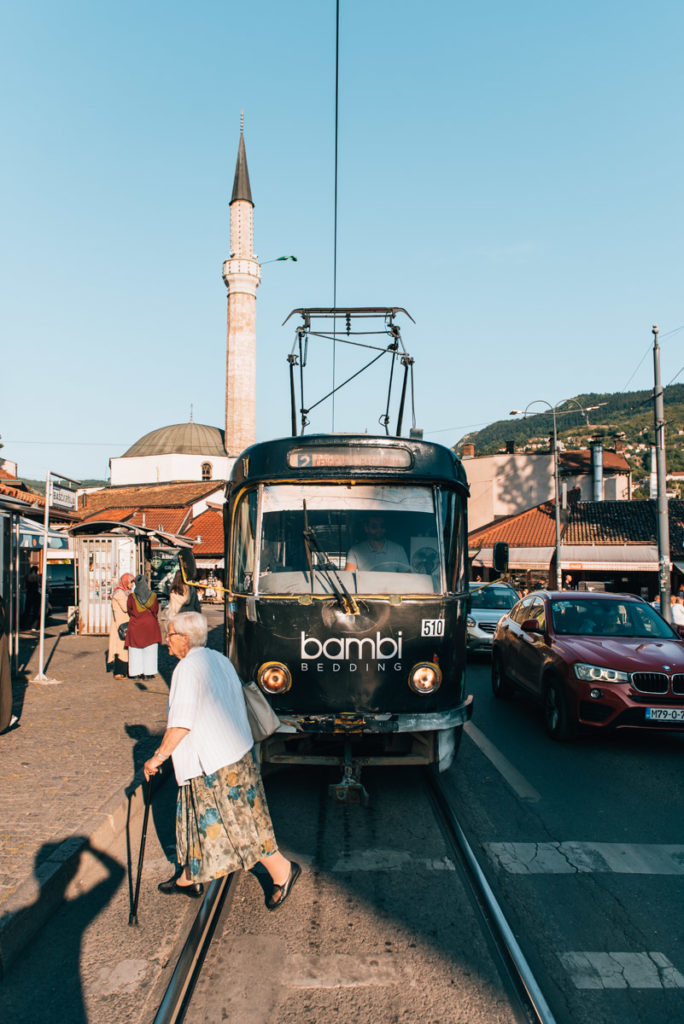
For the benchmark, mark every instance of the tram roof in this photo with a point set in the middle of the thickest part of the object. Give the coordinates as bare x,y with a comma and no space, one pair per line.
315,456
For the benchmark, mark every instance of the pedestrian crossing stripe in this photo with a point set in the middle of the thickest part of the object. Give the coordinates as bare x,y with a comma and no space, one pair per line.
587,858
593,970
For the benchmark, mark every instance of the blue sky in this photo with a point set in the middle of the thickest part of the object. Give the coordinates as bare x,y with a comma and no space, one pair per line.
510,174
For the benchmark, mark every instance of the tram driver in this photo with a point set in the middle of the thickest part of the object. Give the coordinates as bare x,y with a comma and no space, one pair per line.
376,553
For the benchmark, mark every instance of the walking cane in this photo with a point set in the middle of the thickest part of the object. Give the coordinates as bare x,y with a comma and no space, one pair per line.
133,917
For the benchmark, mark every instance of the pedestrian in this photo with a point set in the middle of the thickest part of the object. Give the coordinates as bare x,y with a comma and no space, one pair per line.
32,588
222,818
677,611
182,598
143,635
117,655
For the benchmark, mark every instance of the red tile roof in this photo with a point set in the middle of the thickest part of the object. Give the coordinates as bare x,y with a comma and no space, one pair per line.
585,522
147,496
535,527
579,461
168,520
109,515
208,526
24,495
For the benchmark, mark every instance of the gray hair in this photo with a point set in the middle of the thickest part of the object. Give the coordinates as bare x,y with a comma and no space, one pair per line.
193,625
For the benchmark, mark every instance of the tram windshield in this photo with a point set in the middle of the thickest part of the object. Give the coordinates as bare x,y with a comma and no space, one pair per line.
363,538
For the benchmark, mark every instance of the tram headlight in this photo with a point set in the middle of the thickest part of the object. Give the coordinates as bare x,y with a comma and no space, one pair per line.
425,677
274,677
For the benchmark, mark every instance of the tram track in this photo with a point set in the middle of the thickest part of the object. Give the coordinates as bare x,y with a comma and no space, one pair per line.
352,827
513,961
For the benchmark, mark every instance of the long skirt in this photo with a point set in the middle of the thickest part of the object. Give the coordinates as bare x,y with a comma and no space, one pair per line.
222,821
142,661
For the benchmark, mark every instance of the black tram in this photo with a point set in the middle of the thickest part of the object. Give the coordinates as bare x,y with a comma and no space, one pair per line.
346,561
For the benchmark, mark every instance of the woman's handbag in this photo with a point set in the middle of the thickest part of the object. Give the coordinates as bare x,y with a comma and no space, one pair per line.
263,720
123,629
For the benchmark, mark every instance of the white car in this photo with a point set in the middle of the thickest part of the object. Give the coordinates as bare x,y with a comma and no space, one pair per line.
488,603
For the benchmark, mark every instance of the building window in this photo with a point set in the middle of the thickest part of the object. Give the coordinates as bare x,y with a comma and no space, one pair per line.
206,470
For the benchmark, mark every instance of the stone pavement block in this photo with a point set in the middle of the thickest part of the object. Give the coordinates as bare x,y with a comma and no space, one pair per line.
68,771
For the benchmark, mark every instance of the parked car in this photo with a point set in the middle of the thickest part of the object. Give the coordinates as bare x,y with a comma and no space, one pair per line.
600,661
488,602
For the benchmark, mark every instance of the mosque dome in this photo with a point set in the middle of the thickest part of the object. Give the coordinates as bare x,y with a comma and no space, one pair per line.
180,439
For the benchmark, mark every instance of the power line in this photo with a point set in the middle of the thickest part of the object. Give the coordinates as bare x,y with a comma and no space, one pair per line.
668,334
76,444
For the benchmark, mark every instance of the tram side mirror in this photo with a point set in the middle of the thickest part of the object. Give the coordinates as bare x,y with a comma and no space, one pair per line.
500,556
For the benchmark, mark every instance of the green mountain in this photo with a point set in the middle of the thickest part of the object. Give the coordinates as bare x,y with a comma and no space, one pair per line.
623,419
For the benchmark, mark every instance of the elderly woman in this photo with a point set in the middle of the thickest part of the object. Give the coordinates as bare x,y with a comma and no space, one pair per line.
222,820
144,635
117,655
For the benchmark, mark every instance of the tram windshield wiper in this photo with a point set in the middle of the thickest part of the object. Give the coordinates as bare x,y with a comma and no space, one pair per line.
326,568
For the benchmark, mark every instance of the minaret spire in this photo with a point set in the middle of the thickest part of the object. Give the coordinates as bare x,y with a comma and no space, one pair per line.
242,274
241,187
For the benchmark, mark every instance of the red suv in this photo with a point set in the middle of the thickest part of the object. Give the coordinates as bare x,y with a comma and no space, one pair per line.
597,660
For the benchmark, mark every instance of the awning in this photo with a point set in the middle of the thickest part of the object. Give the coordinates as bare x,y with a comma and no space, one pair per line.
518,558
209,563
610,557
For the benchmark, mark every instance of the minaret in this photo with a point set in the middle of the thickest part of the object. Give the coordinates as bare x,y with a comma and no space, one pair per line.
242,275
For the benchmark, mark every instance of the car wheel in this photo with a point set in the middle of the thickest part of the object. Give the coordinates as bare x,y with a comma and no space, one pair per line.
556,716
502,687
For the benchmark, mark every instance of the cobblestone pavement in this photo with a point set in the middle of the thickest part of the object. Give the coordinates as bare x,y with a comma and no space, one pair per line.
68,766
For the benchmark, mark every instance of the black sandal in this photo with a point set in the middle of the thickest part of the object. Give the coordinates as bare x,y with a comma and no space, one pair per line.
283,890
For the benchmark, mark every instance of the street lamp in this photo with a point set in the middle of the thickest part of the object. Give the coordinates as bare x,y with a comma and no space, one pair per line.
279,259
556,485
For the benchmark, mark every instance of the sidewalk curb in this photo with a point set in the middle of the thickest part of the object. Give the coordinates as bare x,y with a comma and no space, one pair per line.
65,870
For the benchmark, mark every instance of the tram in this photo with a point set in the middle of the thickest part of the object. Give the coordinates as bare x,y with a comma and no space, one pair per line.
346,601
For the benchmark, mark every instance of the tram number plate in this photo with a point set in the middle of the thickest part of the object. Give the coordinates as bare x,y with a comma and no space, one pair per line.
432,627
665,714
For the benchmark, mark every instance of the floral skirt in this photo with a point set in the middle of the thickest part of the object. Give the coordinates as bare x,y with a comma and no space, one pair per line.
222,821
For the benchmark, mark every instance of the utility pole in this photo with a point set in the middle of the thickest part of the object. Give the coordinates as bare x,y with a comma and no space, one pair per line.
661,475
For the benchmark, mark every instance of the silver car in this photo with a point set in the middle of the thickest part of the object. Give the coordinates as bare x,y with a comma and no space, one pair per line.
488,603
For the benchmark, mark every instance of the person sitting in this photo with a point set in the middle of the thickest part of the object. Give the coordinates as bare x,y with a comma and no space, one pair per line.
376,553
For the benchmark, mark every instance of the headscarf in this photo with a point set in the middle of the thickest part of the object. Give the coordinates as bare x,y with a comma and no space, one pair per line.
141,590
124,583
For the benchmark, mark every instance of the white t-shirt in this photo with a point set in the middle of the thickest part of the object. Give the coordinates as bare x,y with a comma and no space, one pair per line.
206,698
390,558
678,614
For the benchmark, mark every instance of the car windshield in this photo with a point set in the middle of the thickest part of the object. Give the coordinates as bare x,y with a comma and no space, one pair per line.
589,617
493,597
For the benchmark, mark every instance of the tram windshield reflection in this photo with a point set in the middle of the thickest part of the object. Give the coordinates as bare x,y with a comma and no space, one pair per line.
375,539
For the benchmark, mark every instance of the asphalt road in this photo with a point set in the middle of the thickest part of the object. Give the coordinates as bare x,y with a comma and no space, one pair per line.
583,844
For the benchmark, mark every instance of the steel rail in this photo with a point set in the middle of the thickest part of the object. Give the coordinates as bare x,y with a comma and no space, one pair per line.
518,966
174,1002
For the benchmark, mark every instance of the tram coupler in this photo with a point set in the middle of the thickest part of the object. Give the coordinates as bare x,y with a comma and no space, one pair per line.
350,789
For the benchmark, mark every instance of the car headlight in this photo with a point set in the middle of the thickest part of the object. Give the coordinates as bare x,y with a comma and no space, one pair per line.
599,674
274,677
470,622
426,677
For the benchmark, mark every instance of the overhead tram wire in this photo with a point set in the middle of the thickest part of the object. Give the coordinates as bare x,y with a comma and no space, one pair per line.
337,107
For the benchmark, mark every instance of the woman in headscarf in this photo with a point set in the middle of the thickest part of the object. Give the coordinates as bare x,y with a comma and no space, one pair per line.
117,656
144,635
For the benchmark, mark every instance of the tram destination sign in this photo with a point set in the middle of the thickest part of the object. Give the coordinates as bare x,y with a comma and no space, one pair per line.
357,456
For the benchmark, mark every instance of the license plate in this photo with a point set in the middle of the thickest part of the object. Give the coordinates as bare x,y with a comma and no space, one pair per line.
665,714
